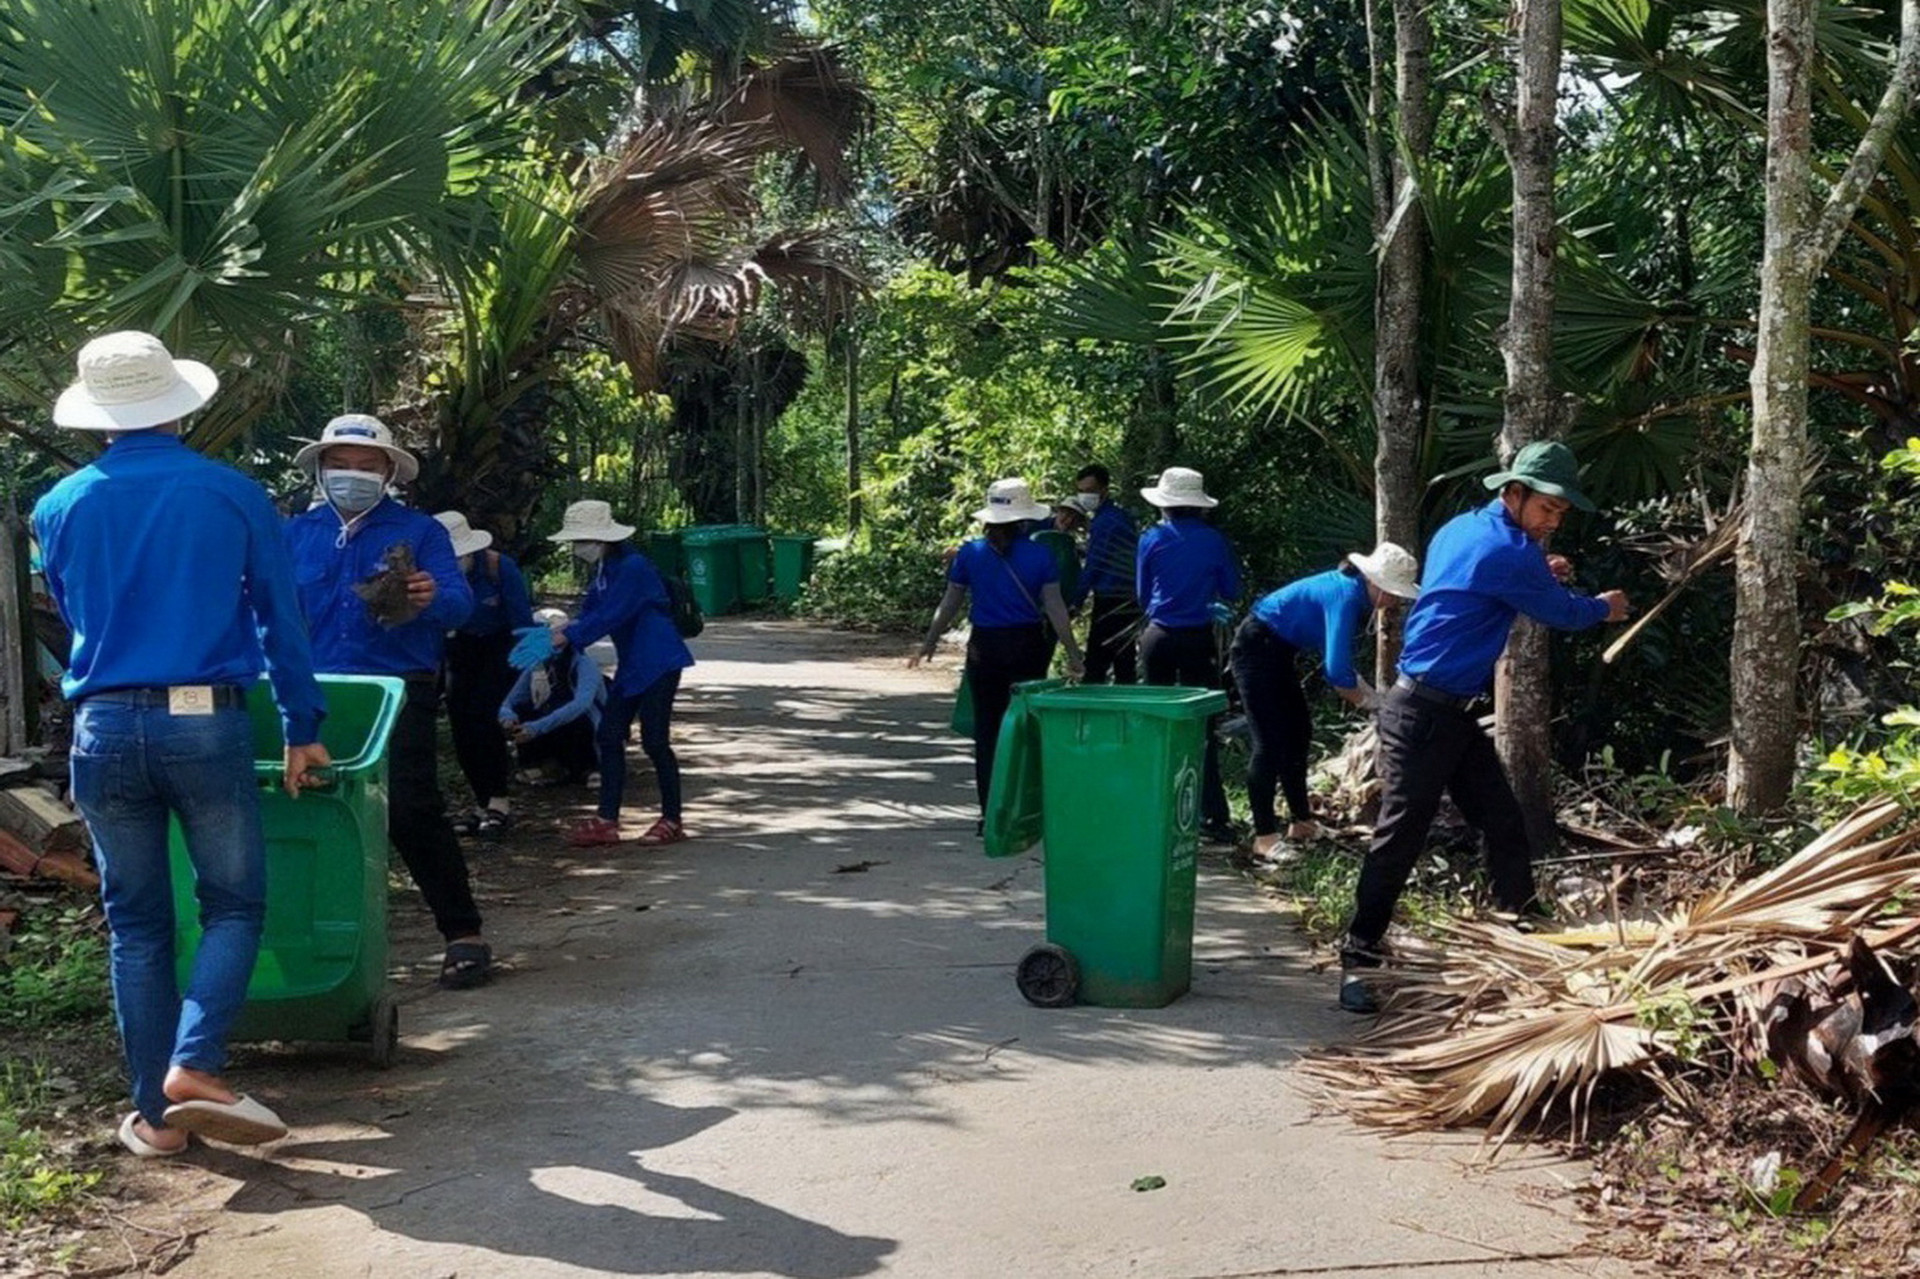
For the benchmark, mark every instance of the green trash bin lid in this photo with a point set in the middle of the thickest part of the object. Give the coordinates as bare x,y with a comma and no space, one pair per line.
1013,817
1161,701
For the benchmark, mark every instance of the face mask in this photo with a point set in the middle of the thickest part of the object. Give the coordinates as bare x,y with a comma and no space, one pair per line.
589,552
353,491
1089,502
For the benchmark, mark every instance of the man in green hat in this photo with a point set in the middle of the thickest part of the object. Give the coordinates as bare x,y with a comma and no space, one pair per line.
1483,569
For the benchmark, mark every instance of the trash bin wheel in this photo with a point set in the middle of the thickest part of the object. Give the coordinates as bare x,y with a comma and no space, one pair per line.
385,1040
1047,976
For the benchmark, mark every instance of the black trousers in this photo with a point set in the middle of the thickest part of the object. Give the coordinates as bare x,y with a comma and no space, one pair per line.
1427,749
571,746
417,814
998,657
1186,655
479,678
653,707
1113,648
1278,720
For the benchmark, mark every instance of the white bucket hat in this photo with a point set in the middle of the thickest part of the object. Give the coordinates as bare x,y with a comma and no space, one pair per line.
1391,567
1179,486
551,616
363,429
1008,502
590,521
129,382
466,538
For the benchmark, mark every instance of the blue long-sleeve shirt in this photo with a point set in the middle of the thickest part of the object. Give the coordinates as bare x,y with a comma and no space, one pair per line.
346,638
1482,571
170,569
1112,543
1320,614
628,601
589,694
499,605
1184,565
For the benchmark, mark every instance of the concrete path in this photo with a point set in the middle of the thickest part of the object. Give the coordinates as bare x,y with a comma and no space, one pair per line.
793,1047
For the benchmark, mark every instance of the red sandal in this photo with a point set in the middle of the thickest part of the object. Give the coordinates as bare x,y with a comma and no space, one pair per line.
594,832
663,832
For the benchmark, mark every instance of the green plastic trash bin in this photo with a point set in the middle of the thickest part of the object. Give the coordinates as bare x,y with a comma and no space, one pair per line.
792,565
713,568
1120,774
751,551
1014,798
662,546
322,971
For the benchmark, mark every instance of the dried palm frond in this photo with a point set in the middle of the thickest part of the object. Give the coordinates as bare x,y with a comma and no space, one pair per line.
1487,1025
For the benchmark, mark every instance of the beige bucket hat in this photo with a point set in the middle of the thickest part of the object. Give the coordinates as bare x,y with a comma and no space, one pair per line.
590,521
1010,501
129,381
1390,567
1179,486
466,538
363,429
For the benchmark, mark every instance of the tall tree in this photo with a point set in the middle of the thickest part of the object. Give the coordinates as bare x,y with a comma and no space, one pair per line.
1799,241
1534,406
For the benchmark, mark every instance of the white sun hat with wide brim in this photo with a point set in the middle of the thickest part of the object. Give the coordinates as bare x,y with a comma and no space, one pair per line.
1179,486
129,381
365,430
1010,501
1390,567
466,538
590,521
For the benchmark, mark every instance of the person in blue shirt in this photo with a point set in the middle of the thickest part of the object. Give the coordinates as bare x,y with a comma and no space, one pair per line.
170,571
1320,614
1184,569
479,674
350,540
1485,568
1113,628
1014,587
553,710
628,601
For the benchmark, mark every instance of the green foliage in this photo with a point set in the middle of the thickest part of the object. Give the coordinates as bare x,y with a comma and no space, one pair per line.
884,585
56,971
35,1179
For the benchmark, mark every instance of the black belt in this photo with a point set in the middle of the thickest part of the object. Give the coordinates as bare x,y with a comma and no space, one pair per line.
1428,693
225,696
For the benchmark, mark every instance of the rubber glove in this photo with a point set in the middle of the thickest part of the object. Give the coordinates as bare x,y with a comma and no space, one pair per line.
1221,612
534,647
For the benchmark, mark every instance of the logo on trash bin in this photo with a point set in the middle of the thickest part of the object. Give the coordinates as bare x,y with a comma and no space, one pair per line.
1186,798
698,570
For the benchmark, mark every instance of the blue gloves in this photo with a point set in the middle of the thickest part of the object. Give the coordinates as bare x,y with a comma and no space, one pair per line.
1221,612
534,647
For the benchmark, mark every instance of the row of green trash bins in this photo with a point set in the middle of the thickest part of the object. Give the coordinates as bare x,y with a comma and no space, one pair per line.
1107,780
733,566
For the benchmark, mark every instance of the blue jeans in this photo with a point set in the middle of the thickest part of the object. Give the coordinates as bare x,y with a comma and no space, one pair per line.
653,706
132,767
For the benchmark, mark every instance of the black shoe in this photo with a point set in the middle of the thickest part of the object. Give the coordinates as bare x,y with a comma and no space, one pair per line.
1355,953
1219,833
1356,996
494,822
980,829
468,825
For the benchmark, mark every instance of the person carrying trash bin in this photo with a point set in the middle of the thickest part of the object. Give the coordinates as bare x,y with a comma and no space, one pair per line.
171,572
479,674
1186,578
1318,614
380,588
553,710
1484,569
1014,587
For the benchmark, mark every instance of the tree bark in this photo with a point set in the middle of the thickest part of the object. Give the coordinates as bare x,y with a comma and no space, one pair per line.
1522,695
1399,395
853,430
1766,627
14,650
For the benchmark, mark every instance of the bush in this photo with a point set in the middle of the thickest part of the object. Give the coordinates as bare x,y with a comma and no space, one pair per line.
883,586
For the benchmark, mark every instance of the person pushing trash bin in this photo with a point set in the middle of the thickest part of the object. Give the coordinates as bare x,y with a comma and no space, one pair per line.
171,572
479,675
1484,568
380,588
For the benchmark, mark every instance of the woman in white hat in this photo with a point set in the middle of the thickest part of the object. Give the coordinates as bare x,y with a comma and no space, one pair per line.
628,601
1185,573
1014,588
1319,614
479,674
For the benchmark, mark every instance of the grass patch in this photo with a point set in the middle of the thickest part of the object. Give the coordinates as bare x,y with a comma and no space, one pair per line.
37,1176
56,972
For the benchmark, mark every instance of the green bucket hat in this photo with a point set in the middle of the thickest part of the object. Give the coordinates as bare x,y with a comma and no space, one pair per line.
1545,466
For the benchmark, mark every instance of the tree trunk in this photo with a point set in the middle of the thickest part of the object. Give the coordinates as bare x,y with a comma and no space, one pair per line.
1766,627
1522,696
1399,399
853,430
15,673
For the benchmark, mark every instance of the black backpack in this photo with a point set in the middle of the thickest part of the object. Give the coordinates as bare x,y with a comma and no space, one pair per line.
682,607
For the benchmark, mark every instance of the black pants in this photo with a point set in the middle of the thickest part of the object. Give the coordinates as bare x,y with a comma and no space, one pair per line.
1186,655
1113,640
417,814
1426,749
653,707
571,746
1278,719
479,678
998,657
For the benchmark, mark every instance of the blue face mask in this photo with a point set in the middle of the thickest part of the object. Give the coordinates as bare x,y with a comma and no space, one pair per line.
352,492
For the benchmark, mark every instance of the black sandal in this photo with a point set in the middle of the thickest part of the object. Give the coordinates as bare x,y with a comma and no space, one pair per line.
466,964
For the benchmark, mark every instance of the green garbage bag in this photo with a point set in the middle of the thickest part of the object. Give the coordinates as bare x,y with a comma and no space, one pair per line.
962,721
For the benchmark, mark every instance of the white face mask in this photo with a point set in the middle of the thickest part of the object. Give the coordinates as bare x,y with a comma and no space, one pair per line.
353,491
589,552
1089,502
466,563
